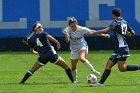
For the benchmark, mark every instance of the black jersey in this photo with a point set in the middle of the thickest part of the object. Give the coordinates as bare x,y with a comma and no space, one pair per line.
40,42
120,28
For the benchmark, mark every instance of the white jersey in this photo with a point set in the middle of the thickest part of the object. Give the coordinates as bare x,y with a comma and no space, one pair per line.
77,40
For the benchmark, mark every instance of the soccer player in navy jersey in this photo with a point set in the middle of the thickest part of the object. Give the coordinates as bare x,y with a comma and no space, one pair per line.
121,30
40,40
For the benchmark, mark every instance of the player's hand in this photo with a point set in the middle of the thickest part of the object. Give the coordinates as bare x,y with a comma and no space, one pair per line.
58,46
106,35
64,31
129,34
25,41
33,51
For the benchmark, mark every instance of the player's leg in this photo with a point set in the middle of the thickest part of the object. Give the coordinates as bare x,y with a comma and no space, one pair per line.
111,62
122,56
107,71
74,69
123,67
74,61
29,73
82,55
60,62
122,64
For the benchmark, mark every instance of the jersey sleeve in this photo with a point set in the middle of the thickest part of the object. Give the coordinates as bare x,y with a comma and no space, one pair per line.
85,30
45,34
112,25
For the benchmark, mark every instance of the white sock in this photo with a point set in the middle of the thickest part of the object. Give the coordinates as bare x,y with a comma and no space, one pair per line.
87,63
74,74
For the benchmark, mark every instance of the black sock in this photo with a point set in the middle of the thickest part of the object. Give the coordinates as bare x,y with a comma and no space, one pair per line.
133,67
26,76
105,76
69,73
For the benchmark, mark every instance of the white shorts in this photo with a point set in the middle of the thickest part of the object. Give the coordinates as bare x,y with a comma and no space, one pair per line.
74,54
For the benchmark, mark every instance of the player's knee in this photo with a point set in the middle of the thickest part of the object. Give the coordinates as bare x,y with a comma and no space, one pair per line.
82,59
122,69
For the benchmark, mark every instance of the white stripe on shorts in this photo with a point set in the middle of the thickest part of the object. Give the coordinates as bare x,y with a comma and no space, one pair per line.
57,60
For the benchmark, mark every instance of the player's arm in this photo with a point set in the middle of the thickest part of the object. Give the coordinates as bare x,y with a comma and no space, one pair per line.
67,38
27,37
33,51
31,45
130,31
54,40
104,35
103,31
100,34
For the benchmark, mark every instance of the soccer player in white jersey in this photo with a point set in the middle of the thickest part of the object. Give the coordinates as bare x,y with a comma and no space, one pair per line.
78,46
121,30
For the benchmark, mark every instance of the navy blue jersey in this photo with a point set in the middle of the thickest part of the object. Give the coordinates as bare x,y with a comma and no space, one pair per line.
120,28
40,42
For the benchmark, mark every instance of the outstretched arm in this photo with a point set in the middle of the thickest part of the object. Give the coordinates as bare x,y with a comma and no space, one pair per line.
54,40
104,35
101,33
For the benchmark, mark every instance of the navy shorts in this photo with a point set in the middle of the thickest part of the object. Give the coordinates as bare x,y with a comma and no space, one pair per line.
44,59
121,54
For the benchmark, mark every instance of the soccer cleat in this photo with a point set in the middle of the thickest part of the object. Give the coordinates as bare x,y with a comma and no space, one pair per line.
97,73
21,82
96,85
75,82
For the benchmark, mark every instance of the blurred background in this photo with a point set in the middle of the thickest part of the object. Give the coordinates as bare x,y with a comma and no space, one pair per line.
18,16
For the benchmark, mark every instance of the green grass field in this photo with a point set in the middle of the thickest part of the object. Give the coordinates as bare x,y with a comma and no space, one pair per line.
52,79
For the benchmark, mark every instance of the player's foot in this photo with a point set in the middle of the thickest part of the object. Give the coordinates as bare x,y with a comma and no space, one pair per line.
75,82
21,82
96,85
97,73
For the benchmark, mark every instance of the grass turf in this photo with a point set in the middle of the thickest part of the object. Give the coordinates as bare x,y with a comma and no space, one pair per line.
53,79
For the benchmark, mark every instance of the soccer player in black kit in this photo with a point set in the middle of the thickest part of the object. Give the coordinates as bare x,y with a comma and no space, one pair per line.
121,30
46,52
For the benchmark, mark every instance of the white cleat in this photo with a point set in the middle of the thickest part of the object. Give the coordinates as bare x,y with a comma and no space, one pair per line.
97,73
75,82
96,85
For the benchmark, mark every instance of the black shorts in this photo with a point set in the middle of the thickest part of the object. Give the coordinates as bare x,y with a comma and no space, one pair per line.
120,55
53,58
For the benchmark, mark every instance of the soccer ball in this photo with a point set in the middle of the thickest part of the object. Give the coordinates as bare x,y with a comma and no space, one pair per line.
91,79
